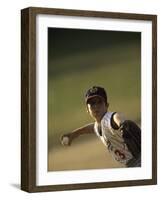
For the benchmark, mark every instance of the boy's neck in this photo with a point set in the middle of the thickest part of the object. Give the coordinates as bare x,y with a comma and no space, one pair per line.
99,120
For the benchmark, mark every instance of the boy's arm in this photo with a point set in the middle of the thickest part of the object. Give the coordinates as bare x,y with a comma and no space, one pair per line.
67,139
117,120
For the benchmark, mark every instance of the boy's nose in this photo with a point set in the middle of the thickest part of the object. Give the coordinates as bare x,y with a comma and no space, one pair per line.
95,105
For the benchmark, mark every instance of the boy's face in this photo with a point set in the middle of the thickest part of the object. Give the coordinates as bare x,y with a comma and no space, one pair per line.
97,107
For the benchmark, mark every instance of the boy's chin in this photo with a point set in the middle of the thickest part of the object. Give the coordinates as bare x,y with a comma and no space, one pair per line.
97,118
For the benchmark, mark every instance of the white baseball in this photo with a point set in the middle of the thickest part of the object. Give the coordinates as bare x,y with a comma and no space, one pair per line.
65,140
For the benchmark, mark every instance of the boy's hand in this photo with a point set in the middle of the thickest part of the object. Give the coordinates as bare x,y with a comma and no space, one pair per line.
66,139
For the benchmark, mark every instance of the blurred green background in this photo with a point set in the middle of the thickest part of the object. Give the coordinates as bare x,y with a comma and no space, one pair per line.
77,60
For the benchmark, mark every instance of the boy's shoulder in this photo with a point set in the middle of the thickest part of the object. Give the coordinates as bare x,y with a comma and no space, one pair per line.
108,115
112,119
106,120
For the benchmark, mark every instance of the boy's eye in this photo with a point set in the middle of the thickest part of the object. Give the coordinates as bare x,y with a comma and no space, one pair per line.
95,102
92,103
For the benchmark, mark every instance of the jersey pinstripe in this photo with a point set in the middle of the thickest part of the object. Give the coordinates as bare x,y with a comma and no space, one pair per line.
112,139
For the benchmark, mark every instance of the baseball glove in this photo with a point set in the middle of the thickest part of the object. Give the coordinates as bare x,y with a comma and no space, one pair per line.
132,137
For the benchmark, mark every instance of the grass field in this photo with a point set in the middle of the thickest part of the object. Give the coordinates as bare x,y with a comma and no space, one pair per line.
117,69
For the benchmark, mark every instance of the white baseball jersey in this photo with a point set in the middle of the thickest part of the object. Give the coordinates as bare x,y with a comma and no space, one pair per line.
112,139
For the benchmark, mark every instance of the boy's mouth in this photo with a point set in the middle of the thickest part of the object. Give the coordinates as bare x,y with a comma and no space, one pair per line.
96,112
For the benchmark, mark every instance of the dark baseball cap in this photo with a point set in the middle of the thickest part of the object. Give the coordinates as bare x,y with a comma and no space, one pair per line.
96,91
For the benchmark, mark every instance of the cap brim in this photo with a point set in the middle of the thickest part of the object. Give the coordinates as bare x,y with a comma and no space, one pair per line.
91,97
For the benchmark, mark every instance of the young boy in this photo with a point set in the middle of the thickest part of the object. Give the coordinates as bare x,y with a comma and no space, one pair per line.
121,137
